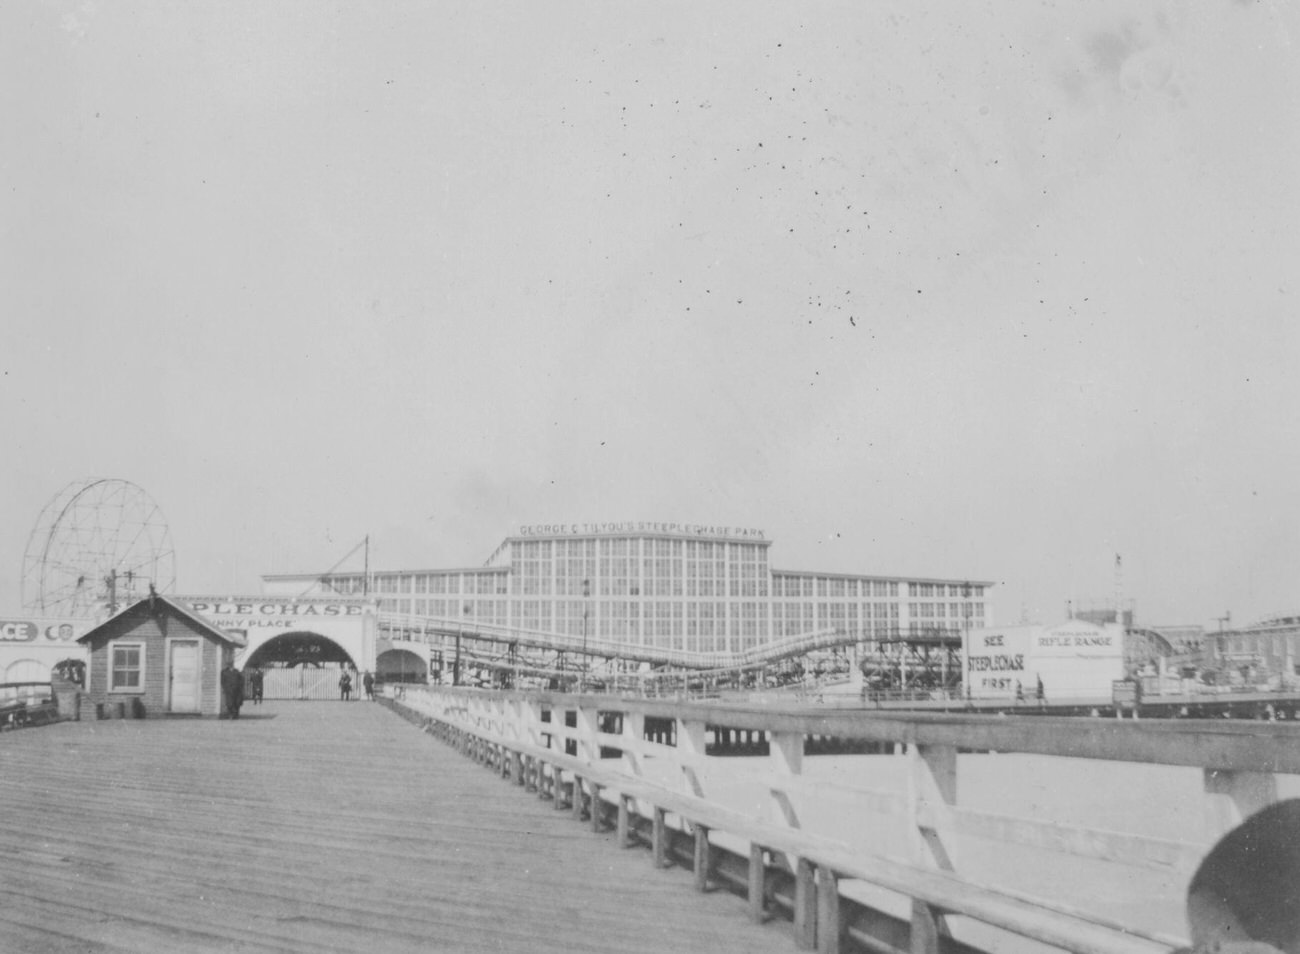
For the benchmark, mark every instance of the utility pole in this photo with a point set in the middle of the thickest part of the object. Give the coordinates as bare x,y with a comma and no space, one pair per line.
582,673
965,641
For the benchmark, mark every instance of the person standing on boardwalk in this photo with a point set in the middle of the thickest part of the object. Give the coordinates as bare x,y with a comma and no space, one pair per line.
232,689
345,686
255,686
368,680
1041,693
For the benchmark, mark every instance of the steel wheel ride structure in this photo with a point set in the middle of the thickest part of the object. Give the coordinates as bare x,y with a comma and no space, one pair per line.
98,544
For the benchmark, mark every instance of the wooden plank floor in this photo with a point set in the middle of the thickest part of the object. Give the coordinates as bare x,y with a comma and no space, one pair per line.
316,827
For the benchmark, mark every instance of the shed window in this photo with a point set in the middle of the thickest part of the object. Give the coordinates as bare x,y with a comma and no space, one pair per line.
126,672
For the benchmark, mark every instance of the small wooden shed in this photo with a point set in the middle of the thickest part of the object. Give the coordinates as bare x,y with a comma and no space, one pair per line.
158,657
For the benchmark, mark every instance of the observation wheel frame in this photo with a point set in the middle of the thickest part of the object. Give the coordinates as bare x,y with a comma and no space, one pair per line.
98,542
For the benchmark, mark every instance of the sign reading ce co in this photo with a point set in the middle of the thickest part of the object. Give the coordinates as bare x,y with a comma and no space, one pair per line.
25,631
17,632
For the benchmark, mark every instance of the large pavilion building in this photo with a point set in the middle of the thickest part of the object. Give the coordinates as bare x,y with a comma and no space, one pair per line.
673,586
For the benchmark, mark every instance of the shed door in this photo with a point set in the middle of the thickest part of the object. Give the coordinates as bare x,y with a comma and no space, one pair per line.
183,675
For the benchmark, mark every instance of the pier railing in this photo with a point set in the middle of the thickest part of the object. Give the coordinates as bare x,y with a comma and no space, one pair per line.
659,773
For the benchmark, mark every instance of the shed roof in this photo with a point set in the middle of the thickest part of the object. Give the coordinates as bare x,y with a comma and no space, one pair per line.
178,608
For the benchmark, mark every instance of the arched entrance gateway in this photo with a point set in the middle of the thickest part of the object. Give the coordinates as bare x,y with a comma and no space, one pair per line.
401,665
301,665
301,646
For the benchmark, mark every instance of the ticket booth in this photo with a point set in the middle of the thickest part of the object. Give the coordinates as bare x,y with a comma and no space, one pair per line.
157,657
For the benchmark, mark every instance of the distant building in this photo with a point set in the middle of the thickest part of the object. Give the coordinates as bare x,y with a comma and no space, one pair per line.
1264,652
674,586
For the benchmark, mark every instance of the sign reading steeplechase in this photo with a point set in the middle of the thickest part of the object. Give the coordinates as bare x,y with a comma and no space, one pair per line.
270,614
629,527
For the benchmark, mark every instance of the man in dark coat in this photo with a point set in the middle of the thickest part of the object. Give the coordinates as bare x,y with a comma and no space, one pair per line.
232,689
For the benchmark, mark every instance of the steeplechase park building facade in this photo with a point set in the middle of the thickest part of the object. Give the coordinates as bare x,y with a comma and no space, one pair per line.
31,647
675,586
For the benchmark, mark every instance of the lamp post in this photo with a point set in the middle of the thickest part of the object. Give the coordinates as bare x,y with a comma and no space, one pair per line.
582,673
455,665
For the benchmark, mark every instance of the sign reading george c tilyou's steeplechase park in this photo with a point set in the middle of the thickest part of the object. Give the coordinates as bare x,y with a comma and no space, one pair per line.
668,529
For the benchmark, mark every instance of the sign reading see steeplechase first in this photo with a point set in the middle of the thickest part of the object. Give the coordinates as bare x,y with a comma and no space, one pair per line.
639,527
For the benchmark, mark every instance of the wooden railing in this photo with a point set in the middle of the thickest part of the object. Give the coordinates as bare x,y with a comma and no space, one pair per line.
658,773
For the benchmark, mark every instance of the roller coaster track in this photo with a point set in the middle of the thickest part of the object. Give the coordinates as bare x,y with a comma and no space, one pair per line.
427,628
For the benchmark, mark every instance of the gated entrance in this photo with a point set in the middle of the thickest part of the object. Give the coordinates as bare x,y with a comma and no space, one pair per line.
301,666
304,682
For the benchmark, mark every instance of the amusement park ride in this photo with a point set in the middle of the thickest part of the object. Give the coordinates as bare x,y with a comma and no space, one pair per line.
506,657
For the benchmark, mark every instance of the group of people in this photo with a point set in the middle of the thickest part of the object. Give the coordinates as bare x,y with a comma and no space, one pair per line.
345,685
235,683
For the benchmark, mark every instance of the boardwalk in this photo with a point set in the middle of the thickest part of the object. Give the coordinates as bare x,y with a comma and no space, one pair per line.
316,827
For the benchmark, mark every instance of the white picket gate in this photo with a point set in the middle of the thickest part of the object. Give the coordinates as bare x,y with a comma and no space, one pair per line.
304,682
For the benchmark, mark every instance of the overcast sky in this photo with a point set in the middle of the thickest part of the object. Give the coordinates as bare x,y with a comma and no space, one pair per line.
986,290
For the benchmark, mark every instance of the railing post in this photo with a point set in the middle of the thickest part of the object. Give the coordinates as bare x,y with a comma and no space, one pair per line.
703,858
624,821
575,800
691,742
932,784
659,838
785,752
586,730
830,927
805,905
531,730
757,894
927,928
633,741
